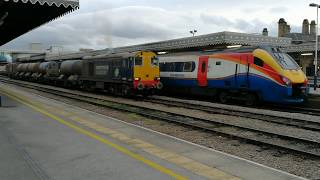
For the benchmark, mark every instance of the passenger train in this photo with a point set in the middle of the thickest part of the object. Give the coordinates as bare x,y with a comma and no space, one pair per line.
122,74
251,74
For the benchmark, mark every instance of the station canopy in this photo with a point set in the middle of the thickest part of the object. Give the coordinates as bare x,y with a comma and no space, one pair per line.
218,40
20,16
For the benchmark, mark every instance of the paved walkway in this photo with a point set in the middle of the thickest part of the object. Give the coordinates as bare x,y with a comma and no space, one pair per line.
312,91
45,139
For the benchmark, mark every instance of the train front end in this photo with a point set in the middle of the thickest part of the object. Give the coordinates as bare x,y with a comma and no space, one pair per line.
146,73
292,83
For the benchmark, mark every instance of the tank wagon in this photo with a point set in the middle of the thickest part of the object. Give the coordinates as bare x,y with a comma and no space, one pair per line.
48,72
11,69
250,74
70,72
22,70
123,74
33,69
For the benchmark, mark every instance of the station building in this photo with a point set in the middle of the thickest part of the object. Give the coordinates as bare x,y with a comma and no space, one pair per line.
302,46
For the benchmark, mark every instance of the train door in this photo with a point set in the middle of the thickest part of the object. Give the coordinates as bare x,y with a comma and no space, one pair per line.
242,72
202,71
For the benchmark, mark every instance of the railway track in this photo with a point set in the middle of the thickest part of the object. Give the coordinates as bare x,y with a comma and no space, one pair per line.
284,142
289,121
302,110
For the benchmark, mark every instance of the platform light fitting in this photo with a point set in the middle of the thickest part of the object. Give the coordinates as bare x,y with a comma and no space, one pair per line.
234,46
314,5
193,32
307,54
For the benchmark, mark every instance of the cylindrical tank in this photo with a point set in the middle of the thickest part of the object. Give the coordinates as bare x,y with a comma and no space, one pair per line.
19,67
34,67
29,66
71,67
50,68
22,67
43,66
25,67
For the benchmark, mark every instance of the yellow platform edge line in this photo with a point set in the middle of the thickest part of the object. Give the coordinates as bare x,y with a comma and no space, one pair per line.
98,138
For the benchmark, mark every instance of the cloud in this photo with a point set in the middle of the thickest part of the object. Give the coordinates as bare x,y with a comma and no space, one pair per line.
239,25
104,23
278,10
95,29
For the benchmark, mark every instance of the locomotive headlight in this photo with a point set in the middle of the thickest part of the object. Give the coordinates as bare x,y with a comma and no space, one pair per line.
286,81
137,79
157,78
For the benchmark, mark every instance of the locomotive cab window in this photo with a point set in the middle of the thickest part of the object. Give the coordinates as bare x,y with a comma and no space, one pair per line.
258,62
155,61
138,61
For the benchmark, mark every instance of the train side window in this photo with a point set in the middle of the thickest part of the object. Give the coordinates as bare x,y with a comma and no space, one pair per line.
258,62
91,68
187,67
218,63
138,61
170,67
163,67
167,67
193,66
203,67
178,66
130,62
124,63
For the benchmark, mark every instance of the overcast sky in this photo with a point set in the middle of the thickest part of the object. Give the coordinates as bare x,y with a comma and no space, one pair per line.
107,23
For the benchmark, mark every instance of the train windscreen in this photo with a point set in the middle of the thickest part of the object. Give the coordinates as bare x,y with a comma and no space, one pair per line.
286,61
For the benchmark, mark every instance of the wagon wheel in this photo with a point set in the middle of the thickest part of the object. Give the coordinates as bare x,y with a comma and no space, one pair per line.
125,91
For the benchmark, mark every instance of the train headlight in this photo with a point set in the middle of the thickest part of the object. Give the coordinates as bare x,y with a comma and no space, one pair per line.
157,78
137,79
286,80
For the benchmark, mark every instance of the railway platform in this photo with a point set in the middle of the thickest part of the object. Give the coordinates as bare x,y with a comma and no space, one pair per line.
314,92
45,139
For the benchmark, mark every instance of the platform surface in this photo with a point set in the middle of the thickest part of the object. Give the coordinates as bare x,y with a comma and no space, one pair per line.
314,92
45,139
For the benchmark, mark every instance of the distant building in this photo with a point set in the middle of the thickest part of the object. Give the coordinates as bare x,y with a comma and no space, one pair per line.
283,28
35,47
265,32
307,34
303,43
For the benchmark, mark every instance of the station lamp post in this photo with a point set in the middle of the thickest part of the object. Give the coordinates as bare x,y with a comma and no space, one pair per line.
316,51
193,32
